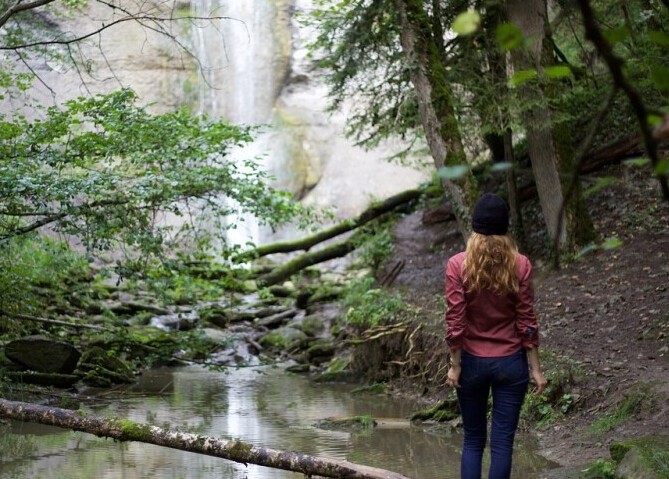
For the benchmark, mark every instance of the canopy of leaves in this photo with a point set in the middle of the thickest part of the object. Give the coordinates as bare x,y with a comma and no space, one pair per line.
358,43
358,47
107,171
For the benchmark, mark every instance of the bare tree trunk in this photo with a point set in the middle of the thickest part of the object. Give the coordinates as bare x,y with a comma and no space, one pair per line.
428,75
549,143
530,16
233,450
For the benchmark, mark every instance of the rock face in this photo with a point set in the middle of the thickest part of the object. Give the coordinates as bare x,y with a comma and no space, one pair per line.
251,67
41,354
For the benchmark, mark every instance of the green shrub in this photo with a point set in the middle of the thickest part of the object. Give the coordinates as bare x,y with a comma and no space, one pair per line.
368,306
36,272
600,469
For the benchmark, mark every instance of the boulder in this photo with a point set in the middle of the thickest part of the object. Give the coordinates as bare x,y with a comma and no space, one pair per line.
41,354
100,369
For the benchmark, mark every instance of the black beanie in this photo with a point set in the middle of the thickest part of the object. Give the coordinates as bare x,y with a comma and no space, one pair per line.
491,215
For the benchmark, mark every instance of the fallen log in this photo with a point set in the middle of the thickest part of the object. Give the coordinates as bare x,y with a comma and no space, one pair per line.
54,322
288,269
305,244
233,450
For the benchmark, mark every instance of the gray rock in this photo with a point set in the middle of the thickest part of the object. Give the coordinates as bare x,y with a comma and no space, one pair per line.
39,353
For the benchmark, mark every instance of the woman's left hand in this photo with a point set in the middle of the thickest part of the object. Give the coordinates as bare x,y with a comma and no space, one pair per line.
453,377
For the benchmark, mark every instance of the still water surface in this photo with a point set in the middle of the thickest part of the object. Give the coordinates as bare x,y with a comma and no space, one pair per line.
263,406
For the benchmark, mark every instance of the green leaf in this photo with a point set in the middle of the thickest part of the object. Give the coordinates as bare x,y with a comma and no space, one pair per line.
503,166
454,172
636,162
662,167
616,35
600,184
466,23
654,120
659,38
509,36
521,77
660,76
588,249
558,71
612,243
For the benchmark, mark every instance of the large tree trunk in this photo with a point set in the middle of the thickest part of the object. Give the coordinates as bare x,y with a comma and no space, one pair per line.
550,151
530,16
428,75
234,450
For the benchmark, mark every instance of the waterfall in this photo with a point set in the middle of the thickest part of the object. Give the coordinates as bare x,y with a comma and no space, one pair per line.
256,70
238,61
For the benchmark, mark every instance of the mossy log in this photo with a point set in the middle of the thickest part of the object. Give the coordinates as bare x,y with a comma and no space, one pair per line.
288,269
233,450
305,244
54,322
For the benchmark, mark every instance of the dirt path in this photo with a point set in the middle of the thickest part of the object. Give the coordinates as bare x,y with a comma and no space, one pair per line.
607,312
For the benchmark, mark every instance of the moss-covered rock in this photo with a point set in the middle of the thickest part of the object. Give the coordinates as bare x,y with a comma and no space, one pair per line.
42,354
643,458
442,411
320,352
282,339
313,325
101,369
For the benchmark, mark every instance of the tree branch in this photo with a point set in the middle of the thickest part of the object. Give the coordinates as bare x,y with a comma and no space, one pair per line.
22,7
105,26
55,322
285,271
305,244
615,65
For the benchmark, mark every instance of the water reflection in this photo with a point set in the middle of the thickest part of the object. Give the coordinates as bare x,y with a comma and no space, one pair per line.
266,407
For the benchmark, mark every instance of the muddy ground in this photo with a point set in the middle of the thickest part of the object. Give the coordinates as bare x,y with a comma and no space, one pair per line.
607,311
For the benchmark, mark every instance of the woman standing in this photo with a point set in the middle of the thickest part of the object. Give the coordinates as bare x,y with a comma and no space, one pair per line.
492,334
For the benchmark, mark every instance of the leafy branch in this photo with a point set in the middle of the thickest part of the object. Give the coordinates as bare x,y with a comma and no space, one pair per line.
615,65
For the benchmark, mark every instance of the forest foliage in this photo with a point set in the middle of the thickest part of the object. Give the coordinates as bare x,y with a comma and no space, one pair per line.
461,81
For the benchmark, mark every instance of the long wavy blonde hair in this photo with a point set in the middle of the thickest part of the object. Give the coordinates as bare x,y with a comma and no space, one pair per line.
490,263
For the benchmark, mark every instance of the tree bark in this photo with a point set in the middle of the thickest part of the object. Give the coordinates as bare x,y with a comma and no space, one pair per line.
374,211
233,450
288,269
530,17
428,75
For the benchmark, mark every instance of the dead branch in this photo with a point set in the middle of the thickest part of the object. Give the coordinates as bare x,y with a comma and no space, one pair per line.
616,67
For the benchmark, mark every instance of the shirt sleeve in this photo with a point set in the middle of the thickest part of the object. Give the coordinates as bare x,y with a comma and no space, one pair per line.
455,306
526,321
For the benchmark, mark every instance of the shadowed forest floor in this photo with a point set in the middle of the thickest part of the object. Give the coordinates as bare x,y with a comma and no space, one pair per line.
607,312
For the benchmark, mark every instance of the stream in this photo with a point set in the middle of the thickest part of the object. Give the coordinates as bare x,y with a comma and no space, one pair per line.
264,406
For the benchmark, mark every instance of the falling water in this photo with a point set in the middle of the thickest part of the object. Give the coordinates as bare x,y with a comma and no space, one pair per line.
256,70
238,58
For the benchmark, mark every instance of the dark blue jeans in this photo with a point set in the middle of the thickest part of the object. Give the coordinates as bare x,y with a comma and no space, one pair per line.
508,378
